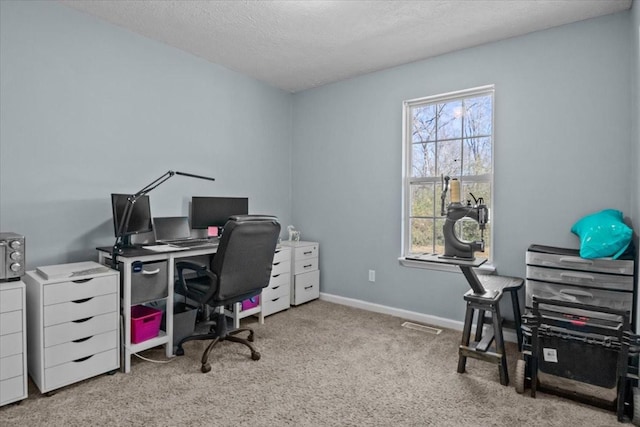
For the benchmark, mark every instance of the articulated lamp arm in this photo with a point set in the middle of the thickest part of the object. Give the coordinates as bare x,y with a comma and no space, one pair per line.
131,200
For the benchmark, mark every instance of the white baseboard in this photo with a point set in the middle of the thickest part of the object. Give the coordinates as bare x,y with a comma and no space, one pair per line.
426,319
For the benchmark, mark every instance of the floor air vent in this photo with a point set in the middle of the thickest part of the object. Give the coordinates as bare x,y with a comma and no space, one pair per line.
423,328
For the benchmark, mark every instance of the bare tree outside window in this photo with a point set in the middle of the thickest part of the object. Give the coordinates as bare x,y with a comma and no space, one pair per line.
450,134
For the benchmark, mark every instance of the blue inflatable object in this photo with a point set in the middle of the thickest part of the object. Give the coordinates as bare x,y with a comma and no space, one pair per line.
603,234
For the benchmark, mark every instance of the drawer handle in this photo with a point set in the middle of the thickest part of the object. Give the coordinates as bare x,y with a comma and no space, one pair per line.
276,275
80,301
307,266
578,276
149,273
276,263
82,359
275,287
275,299
576,293
576,261
82,320
82,280
308,287
82,339
308,253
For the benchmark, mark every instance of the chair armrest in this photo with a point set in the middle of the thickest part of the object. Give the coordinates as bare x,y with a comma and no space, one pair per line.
181,266
190,265
201,271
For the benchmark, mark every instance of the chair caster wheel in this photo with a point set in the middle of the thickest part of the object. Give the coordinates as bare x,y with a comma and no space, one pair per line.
180,351
205,368
255,355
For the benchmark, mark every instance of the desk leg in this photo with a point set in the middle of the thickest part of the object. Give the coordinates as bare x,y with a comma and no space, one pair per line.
261,314
126,315
169,307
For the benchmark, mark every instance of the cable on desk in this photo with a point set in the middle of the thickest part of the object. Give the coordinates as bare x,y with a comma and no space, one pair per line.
153,361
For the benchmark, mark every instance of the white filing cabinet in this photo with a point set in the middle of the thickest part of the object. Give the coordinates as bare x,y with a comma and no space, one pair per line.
275,297
13,343
305,275
73,326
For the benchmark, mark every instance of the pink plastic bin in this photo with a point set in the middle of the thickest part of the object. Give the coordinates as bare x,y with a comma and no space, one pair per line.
145,323
251,302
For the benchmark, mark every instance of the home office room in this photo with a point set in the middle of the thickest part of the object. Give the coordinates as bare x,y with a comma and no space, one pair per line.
397,212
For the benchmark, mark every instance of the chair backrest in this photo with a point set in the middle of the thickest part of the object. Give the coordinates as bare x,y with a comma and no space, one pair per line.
244,258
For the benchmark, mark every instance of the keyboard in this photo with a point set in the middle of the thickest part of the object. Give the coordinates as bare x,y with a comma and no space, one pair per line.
192,243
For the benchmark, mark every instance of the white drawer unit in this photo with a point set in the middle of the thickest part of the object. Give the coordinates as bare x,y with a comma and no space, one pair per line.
275,297
561,274
73,327
305,273
13,342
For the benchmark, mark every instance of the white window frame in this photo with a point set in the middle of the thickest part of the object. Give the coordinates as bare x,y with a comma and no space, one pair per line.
407,178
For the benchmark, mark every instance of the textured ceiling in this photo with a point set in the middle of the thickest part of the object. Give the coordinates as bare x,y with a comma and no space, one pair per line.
297,45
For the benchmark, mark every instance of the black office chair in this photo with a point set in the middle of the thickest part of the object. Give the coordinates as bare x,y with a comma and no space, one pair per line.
240,269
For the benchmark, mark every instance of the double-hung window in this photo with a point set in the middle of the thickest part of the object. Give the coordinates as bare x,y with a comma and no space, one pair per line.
446,135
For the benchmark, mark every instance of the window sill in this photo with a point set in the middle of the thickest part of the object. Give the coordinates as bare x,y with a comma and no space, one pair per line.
483,269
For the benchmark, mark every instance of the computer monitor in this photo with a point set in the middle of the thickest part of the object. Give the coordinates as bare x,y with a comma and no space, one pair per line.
215,211
139,221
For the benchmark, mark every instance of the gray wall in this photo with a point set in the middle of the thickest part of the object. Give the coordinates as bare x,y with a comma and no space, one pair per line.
88,109
562,144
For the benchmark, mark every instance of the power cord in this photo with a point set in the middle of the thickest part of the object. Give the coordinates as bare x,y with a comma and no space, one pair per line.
153,361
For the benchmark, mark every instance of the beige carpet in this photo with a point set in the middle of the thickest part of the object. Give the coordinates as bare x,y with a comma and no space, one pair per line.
322,365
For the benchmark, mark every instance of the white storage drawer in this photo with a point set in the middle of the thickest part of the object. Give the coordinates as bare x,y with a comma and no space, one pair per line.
78,310
274,305
582,278
64,332
304,252
78,349
11,300
305,265
281,267
11,344
281,255
12,389
11,322
278,280
578,294
71,372
276,291
12,366
307,287
80,289
601,265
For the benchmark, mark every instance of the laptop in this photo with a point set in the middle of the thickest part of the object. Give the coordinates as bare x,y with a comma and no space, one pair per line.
175,231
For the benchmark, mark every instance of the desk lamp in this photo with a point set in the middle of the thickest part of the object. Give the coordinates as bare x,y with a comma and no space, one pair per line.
131,200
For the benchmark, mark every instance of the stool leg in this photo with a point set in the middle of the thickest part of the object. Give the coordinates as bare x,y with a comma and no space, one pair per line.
479,325
497,333
515,302
466,336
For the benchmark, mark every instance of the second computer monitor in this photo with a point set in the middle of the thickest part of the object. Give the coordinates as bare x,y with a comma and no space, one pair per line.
215,211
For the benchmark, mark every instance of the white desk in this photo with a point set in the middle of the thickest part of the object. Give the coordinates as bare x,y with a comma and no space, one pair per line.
130,256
